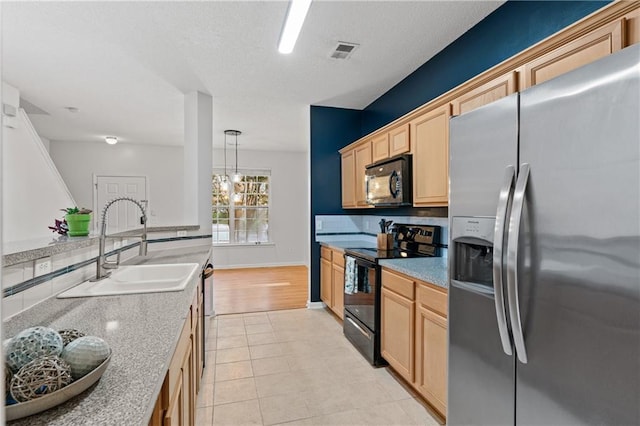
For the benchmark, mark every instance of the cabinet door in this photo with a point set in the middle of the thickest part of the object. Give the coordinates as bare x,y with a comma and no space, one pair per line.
380,147
431,358
174,415
430,146
325,282
588,48
363,159
338,290
485,94
632,23
397,332
348,179
399,140
188,388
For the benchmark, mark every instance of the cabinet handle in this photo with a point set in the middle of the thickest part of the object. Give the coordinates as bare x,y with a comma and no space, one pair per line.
359,328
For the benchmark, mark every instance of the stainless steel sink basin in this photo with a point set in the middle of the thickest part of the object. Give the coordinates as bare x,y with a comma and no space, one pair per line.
137,279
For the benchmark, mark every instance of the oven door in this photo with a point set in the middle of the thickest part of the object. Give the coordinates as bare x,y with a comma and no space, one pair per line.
360,290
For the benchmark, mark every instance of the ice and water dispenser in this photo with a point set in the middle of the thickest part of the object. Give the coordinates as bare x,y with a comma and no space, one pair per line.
472,250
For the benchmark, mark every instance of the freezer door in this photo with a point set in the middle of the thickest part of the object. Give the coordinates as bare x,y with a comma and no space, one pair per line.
579,247
483,145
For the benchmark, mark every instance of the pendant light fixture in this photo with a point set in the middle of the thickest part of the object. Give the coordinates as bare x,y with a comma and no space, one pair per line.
237,177
224,180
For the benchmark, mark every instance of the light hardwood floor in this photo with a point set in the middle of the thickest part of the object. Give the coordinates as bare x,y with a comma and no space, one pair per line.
259,289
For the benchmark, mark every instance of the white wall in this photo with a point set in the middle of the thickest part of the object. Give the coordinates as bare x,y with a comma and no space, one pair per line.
162,165
289,214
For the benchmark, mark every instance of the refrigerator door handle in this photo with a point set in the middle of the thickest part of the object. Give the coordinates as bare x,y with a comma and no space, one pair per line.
512,262
498,286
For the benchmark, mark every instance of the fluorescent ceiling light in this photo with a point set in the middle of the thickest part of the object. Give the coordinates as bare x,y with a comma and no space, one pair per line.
295,18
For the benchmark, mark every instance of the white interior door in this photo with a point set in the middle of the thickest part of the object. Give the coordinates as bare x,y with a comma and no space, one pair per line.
122,215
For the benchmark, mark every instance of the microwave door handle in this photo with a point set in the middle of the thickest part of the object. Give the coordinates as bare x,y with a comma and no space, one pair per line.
392,191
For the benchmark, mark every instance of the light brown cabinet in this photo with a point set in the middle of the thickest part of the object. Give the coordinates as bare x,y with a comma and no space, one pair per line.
414,334
588,48
363,159
430,148
348,179
399,140
332,280
489,92
380,147
176,403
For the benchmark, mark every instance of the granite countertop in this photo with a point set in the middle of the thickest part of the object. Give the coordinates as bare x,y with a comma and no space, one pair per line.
342,245
23,251
429,269
142,330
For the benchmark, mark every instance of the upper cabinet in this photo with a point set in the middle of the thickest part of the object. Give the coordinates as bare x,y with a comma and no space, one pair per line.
489,92
430,149
363,159
348,179
380,147
399,140
588,48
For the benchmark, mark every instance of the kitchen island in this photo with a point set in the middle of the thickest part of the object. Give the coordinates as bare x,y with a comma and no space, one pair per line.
143,332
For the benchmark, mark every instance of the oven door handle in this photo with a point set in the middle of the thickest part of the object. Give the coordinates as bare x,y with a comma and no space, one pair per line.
353,323
364,263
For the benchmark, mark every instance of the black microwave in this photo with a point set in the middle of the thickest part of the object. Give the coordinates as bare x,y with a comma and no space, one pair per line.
388,182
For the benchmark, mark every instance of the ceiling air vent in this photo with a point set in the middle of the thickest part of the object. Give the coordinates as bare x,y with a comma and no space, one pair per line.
343,50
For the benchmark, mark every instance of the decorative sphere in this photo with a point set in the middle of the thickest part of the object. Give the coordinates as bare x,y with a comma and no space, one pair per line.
84,354
30,344
69,335
40,377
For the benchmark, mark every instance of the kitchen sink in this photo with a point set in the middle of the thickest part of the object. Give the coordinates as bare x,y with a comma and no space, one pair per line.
135,279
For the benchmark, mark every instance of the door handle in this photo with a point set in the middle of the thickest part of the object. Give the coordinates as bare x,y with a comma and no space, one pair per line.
512,262
498,238
392,190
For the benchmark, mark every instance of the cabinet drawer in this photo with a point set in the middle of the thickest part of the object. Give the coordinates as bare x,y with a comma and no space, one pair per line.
325,253
432,298
338,258
399,284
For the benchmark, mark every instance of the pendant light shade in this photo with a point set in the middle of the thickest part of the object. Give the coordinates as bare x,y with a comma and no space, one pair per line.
237,177
224,180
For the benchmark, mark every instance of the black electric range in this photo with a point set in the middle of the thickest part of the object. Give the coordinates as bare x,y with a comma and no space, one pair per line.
363,286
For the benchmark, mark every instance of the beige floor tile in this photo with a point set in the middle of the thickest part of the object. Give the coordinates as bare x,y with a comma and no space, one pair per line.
256,318
396,389
258,328
264,366
232,355
234,391
205,397
418,412
329,399
266,351
239,413
278,384
232,342
233,370
261,339
231,331
342,418
302,362
388,414
283,408
315,377
230,322
204,416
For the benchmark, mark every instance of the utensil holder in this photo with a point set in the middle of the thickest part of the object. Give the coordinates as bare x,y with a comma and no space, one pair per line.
385,241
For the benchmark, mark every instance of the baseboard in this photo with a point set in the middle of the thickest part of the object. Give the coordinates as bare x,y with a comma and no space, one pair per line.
315,305
258,265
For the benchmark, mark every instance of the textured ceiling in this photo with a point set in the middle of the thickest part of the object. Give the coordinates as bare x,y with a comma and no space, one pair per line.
126,65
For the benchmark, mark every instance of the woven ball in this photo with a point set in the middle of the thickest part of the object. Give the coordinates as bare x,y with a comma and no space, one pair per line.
40,377
8,375
84,354
30,344
69,335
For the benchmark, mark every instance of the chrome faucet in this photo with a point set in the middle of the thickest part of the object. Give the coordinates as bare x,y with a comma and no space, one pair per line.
103,265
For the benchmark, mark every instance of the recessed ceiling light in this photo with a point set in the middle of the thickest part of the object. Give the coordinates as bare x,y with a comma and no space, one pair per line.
111,140
295,18
72,109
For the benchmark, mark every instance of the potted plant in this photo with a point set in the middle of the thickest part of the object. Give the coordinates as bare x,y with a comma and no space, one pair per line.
77,221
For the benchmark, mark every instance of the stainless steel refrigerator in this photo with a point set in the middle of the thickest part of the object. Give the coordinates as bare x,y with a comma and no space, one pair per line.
544,253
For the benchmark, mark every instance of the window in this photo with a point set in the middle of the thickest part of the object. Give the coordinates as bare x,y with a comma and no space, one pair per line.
241,212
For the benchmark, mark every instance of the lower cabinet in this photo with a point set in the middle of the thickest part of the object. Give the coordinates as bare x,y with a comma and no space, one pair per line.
414,334
176,404
332,280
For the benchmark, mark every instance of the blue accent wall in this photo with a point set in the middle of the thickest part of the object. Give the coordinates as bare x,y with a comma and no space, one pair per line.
513,27
331,130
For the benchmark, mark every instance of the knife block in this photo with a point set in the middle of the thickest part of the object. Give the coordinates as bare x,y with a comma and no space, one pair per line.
385,241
